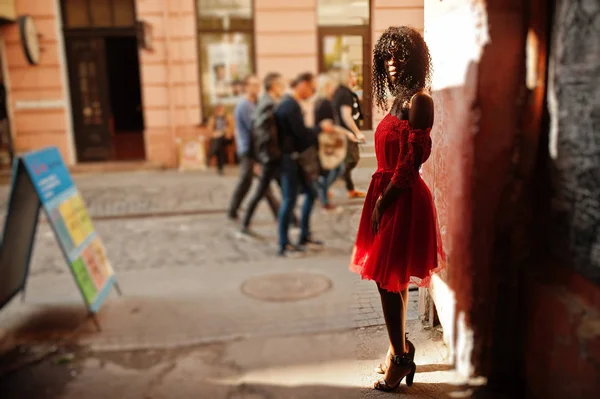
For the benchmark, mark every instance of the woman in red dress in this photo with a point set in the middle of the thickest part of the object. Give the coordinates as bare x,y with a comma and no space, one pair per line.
398,238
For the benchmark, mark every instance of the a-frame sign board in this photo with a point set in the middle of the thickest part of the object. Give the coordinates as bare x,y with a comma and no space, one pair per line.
41,179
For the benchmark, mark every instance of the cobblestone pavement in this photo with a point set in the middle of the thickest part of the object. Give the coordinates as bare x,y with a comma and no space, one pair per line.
182,278
183,327
163,192
157,259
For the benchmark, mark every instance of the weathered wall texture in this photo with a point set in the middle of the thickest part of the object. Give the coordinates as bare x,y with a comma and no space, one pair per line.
562,346
574,102
456,33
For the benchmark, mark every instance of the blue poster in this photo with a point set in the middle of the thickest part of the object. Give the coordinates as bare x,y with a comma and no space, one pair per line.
72,225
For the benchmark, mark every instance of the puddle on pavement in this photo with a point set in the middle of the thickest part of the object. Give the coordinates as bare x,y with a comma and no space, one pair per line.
52,324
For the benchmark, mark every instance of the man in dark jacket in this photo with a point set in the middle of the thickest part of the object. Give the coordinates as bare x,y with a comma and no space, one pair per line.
265,143
295,138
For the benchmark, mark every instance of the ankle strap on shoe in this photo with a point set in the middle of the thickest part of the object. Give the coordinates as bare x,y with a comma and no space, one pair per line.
401,360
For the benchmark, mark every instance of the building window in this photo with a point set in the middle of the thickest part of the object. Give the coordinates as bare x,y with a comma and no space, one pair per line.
343,12
226,50
98,13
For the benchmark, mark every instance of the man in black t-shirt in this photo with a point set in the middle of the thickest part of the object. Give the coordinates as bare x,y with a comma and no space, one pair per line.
348,114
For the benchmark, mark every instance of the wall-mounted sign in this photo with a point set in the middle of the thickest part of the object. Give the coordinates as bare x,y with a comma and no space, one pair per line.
144,34
29,39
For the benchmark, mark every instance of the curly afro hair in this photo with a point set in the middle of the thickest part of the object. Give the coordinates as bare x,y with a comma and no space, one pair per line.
414,72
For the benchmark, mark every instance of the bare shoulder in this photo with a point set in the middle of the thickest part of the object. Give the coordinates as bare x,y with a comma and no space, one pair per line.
421,101
421,111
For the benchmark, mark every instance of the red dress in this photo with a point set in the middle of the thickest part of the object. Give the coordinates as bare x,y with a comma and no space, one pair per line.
406,248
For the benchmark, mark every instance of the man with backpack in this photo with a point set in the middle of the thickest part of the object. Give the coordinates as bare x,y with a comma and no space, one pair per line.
265,143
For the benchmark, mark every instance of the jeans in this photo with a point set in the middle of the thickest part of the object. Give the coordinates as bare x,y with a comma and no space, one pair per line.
326,180
291,182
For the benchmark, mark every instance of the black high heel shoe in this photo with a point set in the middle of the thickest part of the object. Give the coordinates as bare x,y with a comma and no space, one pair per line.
411,353
409,368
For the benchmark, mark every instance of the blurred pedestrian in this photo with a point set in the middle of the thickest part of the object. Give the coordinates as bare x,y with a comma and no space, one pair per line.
348,115
220,126
265,143
297,141
332,146
243,135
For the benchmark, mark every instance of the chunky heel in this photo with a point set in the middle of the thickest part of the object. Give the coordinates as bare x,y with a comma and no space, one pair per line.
408,368
411,376
411,353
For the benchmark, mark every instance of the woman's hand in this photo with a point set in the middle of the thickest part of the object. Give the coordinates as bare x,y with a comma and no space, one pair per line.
376,217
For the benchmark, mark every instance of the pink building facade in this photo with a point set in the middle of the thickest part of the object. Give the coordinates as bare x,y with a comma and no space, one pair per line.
124,80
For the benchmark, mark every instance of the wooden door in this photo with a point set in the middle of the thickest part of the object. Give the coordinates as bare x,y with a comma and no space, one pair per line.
89,98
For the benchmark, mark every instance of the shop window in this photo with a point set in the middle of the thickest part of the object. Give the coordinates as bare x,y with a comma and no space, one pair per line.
98,13
226,50
343,12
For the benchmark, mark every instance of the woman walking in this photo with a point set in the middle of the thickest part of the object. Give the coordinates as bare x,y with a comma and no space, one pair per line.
398,238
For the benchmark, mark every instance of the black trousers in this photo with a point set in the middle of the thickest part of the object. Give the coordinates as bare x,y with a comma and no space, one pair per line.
351,162
243,187
269,172
217,149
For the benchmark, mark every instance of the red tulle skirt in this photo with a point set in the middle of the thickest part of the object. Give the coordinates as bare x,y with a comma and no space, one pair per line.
406,248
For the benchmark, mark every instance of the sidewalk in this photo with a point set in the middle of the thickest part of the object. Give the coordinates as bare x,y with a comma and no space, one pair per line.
190,305
325,365
204,313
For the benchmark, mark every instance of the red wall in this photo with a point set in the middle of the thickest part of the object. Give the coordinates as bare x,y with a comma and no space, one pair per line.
519,314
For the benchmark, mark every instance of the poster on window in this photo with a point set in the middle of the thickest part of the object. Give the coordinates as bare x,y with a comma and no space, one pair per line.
229,65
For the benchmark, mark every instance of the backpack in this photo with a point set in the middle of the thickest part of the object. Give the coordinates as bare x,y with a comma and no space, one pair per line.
265,138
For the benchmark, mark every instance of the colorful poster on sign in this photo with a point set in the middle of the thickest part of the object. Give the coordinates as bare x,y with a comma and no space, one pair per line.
72,225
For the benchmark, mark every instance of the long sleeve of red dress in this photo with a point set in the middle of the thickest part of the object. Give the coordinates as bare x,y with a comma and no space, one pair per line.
407,168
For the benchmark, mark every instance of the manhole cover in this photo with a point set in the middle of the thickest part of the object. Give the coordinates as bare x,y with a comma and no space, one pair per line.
286,286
